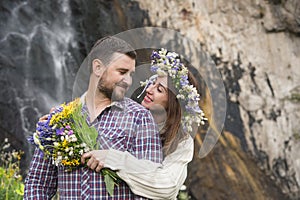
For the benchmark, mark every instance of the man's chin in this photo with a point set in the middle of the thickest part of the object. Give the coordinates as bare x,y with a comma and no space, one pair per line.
119,95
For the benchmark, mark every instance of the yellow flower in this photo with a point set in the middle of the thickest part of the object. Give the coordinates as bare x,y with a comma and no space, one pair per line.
65,143
67,110
73,162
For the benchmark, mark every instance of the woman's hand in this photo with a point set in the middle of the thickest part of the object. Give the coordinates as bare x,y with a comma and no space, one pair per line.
96,159
45,117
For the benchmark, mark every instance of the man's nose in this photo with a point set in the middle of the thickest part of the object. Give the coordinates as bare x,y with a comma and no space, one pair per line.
128,80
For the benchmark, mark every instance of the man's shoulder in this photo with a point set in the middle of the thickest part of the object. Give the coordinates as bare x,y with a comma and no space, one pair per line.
133,106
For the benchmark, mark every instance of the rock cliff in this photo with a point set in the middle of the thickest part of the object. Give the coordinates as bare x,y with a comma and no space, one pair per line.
256,46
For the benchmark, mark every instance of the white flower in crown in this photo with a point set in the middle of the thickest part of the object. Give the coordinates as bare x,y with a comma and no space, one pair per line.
168,63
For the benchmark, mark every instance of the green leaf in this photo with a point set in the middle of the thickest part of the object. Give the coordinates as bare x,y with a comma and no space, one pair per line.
109,183
83,131
20,190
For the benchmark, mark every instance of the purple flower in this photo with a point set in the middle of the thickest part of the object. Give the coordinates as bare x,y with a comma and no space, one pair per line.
155,55
60,131
189,109
41,153
154,68
184,80
70,132
30,140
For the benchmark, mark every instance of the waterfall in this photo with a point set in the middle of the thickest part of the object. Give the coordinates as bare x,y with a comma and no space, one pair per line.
35,40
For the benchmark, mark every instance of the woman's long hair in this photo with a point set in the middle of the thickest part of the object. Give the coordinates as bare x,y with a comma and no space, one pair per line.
172,132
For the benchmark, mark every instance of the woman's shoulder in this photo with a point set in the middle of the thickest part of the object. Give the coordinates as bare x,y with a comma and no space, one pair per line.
183,152
186,142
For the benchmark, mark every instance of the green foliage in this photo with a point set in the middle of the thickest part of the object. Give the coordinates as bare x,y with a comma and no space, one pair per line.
89,135
183,194
84,132
11,185
296,136
111,179
295,97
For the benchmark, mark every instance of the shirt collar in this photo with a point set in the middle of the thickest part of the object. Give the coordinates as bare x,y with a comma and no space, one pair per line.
119,104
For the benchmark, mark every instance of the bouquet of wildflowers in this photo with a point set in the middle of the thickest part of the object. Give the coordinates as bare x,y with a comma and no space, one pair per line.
65,136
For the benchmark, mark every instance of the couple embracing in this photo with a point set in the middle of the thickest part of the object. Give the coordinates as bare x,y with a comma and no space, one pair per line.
148,145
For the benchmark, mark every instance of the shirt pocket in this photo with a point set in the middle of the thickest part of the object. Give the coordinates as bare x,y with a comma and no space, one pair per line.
114,138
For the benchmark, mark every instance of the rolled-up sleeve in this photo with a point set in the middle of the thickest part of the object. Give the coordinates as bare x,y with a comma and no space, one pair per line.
149,179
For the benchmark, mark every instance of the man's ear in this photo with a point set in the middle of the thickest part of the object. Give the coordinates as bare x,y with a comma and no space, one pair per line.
98,67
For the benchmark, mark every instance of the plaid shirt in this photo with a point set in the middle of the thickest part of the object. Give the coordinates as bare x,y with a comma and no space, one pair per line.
125,126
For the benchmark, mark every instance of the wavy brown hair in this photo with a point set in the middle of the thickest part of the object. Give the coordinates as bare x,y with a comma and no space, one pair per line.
172,132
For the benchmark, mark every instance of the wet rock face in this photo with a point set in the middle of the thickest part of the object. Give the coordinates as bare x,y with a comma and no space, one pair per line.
35,41
42,46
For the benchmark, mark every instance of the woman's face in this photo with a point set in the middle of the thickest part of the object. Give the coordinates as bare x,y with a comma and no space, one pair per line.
156,98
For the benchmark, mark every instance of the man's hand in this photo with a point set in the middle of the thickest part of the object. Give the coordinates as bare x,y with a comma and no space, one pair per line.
95,158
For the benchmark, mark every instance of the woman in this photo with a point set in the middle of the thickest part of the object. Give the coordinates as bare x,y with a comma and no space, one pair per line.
173,100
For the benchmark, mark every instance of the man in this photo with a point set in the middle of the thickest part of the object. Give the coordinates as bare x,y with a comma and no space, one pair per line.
122,124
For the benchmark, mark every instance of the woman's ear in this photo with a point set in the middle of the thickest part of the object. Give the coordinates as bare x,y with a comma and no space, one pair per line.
98,67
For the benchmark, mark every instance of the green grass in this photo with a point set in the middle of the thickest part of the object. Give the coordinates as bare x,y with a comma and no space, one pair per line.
11,184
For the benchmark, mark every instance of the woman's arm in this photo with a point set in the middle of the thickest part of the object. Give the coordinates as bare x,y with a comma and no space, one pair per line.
149,179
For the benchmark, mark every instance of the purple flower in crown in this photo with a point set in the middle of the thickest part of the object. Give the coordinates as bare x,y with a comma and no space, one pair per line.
175,64
189,109
154,68
170,59
184,80
155,55
179,74
197,110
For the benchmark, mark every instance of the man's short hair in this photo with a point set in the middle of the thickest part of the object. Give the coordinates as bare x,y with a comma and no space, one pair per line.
105,47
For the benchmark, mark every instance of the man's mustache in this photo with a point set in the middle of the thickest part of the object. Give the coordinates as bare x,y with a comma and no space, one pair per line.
123,85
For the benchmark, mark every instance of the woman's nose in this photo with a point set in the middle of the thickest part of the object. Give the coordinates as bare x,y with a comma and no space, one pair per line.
150,88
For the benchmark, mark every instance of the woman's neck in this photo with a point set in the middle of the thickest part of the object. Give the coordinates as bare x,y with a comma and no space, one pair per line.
159,117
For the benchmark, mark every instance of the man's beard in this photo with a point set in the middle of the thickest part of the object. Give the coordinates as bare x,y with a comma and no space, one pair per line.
112,93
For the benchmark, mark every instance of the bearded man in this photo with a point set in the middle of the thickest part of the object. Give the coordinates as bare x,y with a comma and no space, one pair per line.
122,124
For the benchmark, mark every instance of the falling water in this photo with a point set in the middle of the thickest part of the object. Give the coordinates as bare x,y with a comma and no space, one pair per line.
35,41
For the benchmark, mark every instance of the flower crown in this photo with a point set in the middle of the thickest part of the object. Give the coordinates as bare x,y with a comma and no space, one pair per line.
168,63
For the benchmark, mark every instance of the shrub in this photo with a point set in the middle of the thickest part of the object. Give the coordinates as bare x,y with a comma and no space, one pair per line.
11,185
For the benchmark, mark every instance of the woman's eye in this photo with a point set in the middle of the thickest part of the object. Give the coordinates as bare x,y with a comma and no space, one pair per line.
159,90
